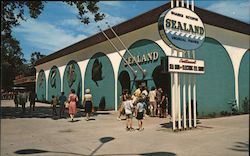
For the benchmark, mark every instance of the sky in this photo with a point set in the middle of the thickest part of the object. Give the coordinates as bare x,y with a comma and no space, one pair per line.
58,27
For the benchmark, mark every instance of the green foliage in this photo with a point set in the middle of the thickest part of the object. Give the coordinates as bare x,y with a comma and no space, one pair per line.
245,106
12,13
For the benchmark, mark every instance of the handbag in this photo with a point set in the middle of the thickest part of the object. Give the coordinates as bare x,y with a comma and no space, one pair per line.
66,104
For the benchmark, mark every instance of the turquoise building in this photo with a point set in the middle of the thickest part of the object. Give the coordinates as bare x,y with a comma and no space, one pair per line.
95,64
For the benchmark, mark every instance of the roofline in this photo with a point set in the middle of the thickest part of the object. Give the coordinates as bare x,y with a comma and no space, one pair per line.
146,19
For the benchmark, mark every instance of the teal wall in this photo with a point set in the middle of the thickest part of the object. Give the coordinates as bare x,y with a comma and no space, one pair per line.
54,83
139,48
73,82
100,80
216,87
41,86
244,78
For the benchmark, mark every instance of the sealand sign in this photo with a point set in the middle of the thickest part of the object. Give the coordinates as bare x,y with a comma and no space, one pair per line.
181,28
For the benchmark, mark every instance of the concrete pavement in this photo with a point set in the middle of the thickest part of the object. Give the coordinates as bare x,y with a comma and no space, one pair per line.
39,134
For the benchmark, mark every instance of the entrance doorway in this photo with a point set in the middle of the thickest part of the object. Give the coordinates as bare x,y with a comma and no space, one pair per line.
124,80
163,80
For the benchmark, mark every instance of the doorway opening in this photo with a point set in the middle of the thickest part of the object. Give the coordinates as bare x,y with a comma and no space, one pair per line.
163,80
124,80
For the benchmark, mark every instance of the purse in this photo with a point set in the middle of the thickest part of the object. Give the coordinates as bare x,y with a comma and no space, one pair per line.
66,104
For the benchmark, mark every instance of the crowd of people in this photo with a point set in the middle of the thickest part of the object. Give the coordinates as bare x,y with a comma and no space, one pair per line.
153,103
142,103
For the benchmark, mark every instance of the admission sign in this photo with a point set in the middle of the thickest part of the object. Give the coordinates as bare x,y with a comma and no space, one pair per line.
181,28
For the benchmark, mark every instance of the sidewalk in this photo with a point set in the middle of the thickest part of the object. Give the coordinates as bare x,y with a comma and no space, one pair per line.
39,135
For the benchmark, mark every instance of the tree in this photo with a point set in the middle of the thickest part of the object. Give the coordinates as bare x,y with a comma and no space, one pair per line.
35,56
13,12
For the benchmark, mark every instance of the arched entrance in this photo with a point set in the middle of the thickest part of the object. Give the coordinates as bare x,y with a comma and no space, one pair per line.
54,83
99,78
163,80
41,86
72,79
216,87
124,80
148,54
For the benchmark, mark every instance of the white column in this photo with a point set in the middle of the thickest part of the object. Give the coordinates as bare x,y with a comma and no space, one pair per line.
177,3
182,3
194,99
172,4
173,101
194,94
192,5
47,83
187,4
189,100
178,97
184,102
61,71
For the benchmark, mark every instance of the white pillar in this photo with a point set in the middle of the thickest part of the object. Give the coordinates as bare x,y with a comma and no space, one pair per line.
173,101
189,102
187,4
178,97
177,3
192,5
194,99
182,3
189,99
47,83
194,94
184,102
172,4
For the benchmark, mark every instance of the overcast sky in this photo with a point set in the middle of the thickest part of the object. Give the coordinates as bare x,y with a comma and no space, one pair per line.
58,27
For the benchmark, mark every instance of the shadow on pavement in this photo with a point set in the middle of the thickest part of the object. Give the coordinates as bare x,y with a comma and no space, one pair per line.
103,141
241,147
40,112
38,151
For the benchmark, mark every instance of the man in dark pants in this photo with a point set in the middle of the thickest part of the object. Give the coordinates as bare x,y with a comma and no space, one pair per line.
32,98
62,100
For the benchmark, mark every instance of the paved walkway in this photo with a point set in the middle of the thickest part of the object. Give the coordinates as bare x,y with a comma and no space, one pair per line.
39,134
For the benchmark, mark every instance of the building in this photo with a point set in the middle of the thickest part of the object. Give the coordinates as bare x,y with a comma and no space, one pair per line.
94,63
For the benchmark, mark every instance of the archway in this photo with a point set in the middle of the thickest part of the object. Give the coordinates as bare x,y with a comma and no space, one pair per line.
148,54
216,87
72,79
244,82
124,81
41,86
54,83
99,78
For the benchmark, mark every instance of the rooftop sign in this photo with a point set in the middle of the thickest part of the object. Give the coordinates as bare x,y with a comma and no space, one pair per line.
181,28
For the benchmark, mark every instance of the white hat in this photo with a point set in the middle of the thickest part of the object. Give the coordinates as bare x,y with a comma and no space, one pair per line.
87,91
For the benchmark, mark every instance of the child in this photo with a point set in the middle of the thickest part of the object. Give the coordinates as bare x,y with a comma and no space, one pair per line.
128,105
140,108
54,102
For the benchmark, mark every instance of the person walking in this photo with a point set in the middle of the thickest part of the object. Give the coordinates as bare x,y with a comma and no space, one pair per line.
128,105
123,99
62,100
159,100
88,103
72,99
23,99
140,108
16,99
32,99
152,101
54,102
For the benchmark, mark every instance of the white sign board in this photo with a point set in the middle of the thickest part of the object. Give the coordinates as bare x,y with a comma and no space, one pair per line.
181,28
184,65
